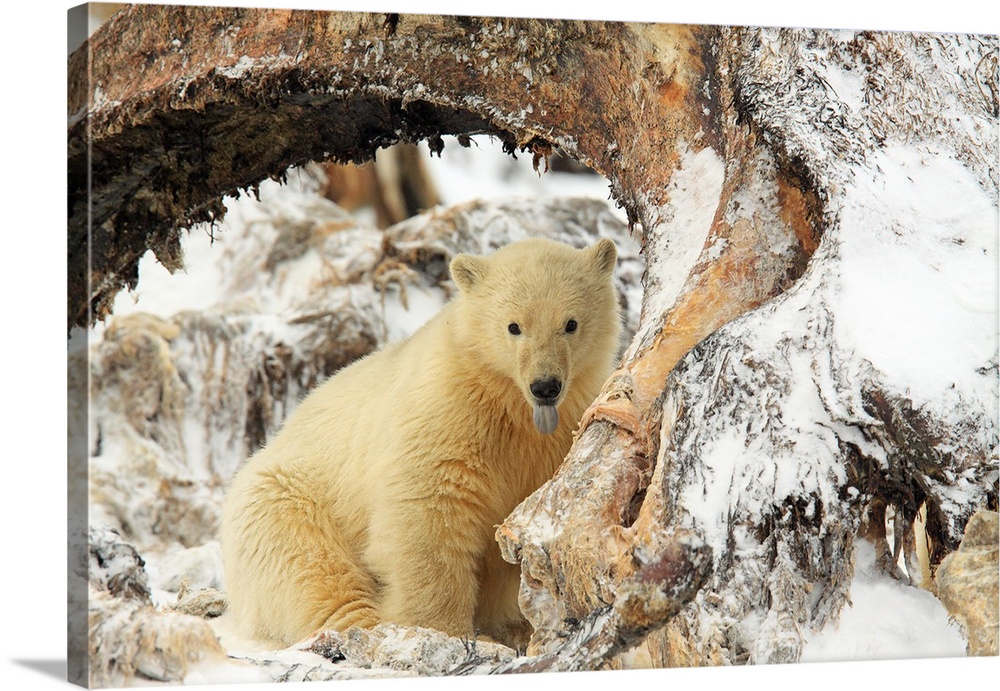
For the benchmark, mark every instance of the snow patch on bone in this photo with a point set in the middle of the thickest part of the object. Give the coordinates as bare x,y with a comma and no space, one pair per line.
918,294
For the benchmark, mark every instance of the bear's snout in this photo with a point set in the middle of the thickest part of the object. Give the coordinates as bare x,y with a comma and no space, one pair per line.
546,391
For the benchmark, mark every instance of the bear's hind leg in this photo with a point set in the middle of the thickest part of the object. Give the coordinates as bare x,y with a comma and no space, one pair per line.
287,573
326,587
322,587
427,547
342,595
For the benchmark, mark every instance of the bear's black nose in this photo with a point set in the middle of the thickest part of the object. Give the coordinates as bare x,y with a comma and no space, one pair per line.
546,390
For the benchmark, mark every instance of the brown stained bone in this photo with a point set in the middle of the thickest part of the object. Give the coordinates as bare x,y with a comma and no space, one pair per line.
967,583
593,496
654,593
172,108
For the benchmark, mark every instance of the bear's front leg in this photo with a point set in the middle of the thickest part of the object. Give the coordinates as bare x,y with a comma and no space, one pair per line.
427,548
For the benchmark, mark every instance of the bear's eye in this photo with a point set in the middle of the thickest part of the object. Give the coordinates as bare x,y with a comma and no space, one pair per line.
571,326
514,329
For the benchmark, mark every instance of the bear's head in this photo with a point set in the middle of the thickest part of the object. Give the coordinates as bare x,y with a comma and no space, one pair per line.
543,314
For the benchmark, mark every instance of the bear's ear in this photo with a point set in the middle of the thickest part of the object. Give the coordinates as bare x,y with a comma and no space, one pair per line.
604,254
467,270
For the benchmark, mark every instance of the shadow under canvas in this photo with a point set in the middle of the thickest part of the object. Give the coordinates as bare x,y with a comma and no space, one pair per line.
55,668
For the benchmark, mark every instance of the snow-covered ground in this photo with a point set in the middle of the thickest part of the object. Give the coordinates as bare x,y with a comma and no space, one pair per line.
886,619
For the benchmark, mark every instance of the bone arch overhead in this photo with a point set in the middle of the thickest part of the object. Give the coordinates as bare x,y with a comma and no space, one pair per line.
186,105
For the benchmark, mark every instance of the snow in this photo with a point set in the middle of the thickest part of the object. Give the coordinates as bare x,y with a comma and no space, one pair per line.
236,71
920,210
884,620
207,278
200,567
484,171
686,220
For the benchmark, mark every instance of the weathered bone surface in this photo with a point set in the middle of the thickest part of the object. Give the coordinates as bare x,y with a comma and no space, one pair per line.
128,638
182,105
968,583
772,437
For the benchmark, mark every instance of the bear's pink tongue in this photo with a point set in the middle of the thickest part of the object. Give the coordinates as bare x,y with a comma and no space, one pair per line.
546,418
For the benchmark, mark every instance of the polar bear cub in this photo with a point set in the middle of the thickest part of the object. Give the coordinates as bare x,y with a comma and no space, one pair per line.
379,498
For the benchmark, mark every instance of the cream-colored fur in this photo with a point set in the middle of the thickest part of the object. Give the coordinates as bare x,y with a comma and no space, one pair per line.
379,498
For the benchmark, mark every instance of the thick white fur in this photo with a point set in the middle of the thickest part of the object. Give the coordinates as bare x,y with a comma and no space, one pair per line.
379,498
